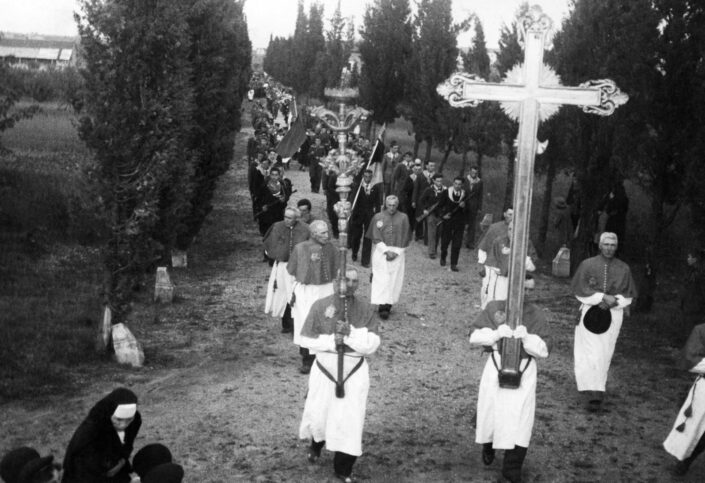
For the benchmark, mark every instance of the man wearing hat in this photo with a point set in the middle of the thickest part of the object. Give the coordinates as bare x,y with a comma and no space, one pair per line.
604,286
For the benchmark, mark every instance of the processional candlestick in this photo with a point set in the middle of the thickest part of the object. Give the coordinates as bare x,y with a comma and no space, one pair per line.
531,92
344,162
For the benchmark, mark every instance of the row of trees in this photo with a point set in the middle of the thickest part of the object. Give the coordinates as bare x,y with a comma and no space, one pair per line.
59,85
160,107
312,59
653,50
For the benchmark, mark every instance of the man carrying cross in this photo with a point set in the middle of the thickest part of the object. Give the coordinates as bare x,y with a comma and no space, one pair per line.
505,416
329,420
531,92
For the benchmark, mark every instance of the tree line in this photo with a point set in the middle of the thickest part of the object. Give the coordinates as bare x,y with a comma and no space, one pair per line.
159,108
312,59
653,50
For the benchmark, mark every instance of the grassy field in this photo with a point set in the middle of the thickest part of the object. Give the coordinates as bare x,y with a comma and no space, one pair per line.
50,274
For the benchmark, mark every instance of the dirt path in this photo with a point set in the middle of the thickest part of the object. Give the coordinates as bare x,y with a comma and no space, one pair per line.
222,388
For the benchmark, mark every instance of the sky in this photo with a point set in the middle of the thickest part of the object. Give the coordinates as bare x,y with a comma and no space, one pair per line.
267,17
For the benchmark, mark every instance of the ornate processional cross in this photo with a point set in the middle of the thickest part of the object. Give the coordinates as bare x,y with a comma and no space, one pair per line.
531,92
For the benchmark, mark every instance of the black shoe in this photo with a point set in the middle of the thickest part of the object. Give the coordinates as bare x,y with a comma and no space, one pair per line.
354,258
432,256
454,268
365,265
305,368
313,453
487,455
594,406
443,262
511,478
287,330
681,468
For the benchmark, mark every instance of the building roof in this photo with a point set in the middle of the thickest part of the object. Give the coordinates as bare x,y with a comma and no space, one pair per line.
15,40
40,48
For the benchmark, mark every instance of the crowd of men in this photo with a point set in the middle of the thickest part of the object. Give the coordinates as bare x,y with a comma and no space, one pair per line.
397,201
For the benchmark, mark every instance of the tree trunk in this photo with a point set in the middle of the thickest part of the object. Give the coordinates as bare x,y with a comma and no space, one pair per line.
464,166
593,178
546,208
478,155
429,145
417,143
449,148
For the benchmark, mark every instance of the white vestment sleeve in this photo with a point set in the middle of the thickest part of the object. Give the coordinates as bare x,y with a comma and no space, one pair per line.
530,267
622,301
699,368
535,346
362,340
481,256
484,337
593,299
322,343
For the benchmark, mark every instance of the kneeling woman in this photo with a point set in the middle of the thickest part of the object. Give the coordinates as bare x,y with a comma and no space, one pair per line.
99,451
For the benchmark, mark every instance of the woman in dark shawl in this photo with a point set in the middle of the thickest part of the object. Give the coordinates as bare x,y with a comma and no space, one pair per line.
99,451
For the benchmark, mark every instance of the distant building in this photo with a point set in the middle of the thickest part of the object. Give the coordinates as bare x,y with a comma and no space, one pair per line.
38,52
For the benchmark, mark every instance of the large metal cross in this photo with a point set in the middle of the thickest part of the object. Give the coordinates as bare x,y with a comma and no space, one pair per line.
531,92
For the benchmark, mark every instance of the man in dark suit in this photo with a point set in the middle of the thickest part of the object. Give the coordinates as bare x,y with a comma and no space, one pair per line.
332,197
424,180
473,187
274,194
453,209
369,202
429,203
316,153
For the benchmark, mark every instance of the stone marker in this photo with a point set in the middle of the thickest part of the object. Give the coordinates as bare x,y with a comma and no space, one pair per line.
163,288
106,327
127,349
179,259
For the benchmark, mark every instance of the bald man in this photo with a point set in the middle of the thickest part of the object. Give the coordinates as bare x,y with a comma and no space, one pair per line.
314,266
604,285
390,234
279,242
